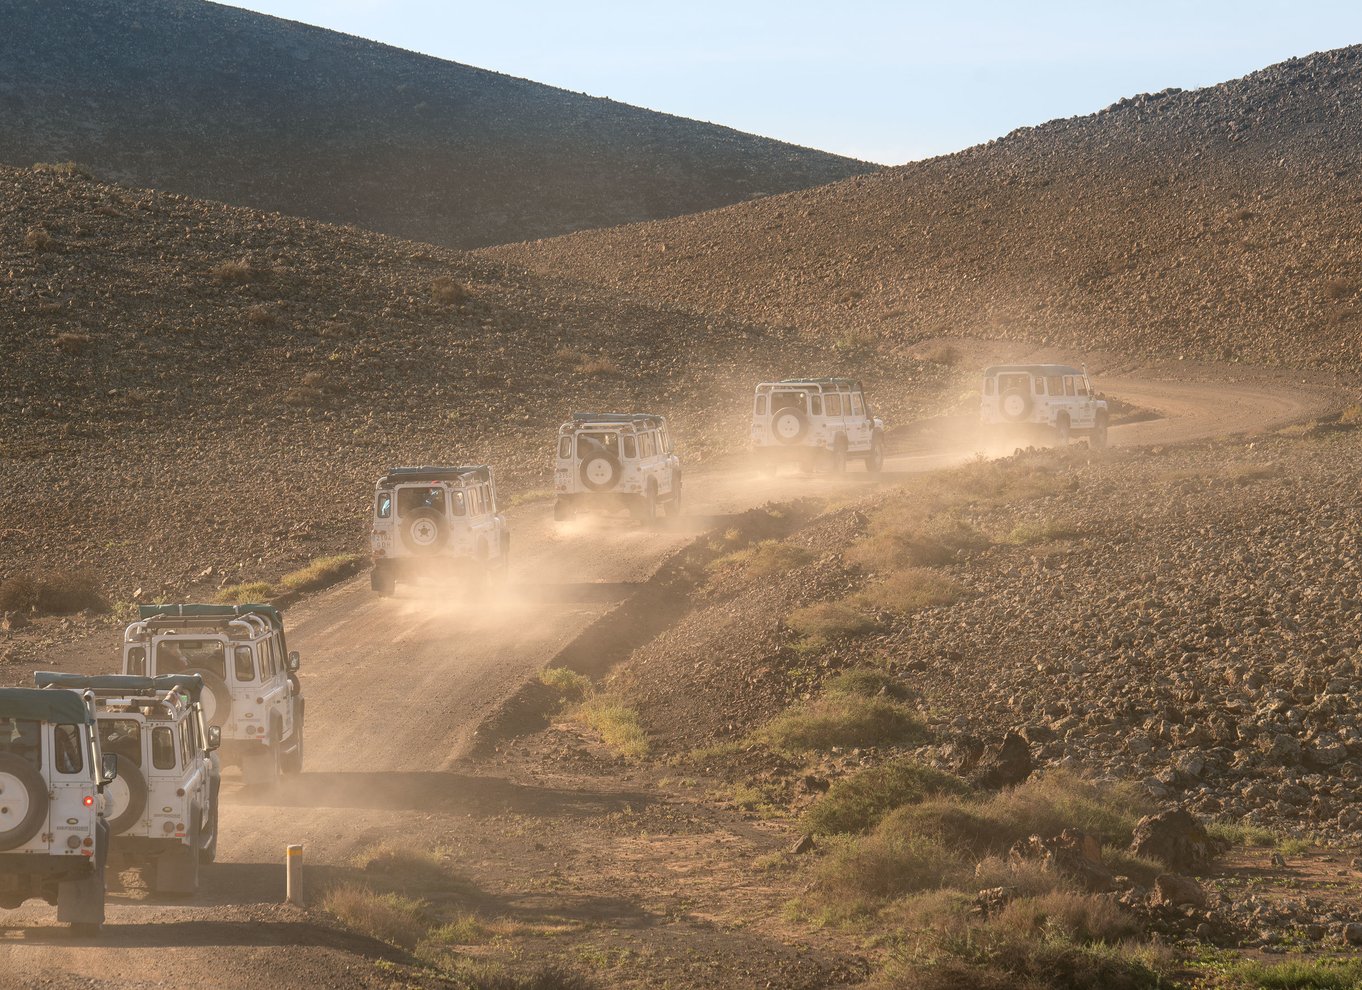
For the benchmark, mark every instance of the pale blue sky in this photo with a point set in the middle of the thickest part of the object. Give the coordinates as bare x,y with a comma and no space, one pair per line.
883,81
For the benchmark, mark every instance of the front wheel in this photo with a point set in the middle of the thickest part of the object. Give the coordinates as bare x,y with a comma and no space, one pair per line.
673,506
1099,434
874,461
839,456
1063,428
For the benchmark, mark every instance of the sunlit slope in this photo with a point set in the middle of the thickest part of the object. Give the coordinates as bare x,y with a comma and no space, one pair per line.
1221,223
227,104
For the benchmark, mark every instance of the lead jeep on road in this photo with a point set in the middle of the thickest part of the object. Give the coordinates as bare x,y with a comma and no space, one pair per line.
250,678
1054,397
163,805
616,461
806,420
437,522
54,842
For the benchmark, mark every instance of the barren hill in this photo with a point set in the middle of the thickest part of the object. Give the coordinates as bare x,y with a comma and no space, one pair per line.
226,104
1222,223
185,384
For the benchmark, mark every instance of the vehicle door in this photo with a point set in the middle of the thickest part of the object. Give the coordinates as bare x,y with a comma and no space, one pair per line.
274,690
671,464
482,522
834,421
193,762
858,422
381,530
650,460
68,752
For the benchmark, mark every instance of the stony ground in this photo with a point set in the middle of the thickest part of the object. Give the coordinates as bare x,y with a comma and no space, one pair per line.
227,104
1219,223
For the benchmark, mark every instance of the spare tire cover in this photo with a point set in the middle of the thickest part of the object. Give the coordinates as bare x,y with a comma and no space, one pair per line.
23,801
1014,405
215,697
600,471
423,530
789,424
127,797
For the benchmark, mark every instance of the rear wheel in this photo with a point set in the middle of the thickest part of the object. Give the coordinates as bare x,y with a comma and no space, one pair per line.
673,506
839,455
1099,434
646,507
208,849
292,761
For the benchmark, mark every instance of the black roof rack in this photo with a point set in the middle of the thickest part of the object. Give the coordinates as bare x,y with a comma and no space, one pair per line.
400,475
129,684
838,382
587,417
205,611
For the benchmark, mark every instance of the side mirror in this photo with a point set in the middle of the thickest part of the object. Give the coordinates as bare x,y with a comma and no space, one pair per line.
108,767
214,737
294,661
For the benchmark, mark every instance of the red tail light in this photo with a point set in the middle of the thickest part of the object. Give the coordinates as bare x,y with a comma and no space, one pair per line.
89,802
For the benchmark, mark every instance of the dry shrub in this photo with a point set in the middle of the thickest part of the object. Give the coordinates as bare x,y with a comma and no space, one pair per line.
447,292
600,367
65,169
899,536
909,590
53,593
842,720
389,917
856,803
233,272
404,861
566,355
1081,917
1352,415
261,315
321,572
766,559
943,354
245,593
1048,531
37,239
571,685
826,622
868,682
304,397
72,343
618,725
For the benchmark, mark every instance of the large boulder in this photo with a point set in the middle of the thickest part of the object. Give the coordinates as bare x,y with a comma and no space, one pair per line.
1006,766
1175,838
1172,890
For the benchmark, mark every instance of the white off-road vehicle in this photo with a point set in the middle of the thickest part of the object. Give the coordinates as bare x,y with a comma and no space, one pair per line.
1054,397
437,522
250,688
805,420
616,461
54,841
163,805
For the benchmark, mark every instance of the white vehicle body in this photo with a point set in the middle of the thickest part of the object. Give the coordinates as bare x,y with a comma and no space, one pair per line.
1054,396
801,419
250,679
614,461
162,808
437,522
54,841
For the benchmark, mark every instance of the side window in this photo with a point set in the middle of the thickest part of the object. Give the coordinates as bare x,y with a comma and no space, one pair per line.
1038,385
122,736
458,504
833,404
273,657
990,386
666,440
137,661
564,447
761,405
68,748
815,406
383,505
630,447
646,445
243,665
186,740
1056,385
1070,386
857,404
162,748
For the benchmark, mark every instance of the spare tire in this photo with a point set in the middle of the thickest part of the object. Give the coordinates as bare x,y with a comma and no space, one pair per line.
789,424
1014,405
600,471
215,697
423,530
23,801
127,797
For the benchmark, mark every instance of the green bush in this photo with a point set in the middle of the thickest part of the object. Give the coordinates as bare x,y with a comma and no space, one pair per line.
858,802
844,721
826,622
765,559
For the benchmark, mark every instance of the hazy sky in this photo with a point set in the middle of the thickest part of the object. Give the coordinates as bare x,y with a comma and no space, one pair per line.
883,81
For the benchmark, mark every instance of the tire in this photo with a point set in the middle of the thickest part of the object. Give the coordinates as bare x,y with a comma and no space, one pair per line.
839,455
23,801
646,507
262,769
673,506
1098,439
1063,427
789,425
381,583
208,851
600,471
874,461
128,790
424,531
215,698
563,510
177,869
1014,405
292,760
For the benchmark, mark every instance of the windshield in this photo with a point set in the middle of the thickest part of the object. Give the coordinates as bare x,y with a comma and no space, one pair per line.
122,736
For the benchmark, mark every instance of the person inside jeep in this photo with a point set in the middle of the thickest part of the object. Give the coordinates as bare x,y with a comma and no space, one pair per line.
19,736
609,442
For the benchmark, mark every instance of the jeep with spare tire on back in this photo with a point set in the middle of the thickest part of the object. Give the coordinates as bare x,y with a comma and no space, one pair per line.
54,841
808,420
613,461
162,807
437,522
1055,398
251,689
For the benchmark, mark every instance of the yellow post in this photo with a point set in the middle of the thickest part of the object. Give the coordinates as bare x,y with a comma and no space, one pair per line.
293,875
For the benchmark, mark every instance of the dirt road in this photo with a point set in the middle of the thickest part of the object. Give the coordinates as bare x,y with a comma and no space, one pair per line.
396,688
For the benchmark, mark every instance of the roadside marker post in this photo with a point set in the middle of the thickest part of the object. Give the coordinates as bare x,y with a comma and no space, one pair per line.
293,875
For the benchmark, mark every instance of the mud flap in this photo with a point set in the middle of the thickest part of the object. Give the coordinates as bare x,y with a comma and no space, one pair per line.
81,902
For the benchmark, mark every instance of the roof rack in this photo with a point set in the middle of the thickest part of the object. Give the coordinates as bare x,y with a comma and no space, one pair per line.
650,419
122,684
446,472
269,613
1041,370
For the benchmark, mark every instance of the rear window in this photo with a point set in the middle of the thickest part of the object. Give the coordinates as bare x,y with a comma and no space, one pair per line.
162,748
175,655
243,663
21,737
68,748
122,736
761,405
564,447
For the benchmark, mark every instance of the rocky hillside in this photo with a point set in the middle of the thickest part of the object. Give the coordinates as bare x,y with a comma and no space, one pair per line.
186,384
226,104
1221,223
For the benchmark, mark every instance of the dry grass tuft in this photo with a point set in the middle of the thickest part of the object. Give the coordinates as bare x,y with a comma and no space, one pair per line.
38,240
320,573
842,720
72,343
600,367
233,272
765,559
244,593
52,593
910,590
261,315
826,622
618,725
304,397
858,802
571,685
388,917
445,291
